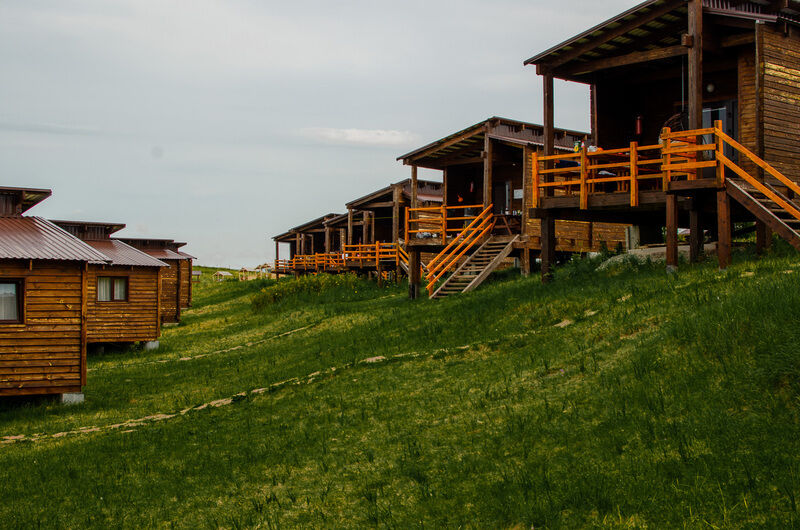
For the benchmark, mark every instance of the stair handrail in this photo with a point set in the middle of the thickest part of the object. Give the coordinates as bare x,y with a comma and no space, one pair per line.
465,240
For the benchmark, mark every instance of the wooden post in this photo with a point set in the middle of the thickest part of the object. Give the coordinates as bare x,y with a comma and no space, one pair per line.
549,125
364,227
487,168
672,232
397,195
723,229
414,273
414,203
534,180
593,112
548,239
634,174
158,299
525,261
763,237
327,239
696,239
526,184
695,59
584,199
349,226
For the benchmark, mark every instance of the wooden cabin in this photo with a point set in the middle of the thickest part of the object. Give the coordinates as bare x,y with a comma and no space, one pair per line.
123,296
693,103
176,281
221,276
485,170
308,248
43,299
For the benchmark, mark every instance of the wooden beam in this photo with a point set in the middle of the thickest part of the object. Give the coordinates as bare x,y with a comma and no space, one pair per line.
549,125
612,34
723,229
414,203
487,171
548,241
397,195
672,232
695,234
625,60
414,273
695,69
349,226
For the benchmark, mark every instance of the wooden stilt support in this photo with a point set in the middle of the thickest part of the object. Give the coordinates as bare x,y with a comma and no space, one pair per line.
723,229
414,273
763,237
548,248
672,232
696,238
525,261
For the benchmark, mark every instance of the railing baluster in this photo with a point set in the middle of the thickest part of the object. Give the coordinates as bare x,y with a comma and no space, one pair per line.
718,141
535,180
634,174
666,158
584,200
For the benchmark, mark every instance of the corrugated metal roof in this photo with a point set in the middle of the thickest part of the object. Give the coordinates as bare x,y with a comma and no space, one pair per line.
186,255
122,254
162,253
37,238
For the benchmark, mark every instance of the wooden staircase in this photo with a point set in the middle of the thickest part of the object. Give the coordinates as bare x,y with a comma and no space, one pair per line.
767,210
477,267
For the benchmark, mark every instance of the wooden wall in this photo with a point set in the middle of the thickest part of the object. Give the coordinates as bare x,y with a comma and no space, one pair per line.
186,283
47,353
748,128
170,312
781,99
136,319
579,236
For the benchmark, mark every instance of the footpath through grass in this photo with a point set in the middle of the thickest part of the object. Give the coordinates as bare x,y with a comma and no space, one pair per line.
622,398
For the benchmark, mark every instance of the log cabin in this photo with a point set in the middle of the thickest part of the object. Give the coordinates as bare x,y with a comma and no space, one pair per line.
695,122
176,280
308,248
43,300
484,175
123,296
377,242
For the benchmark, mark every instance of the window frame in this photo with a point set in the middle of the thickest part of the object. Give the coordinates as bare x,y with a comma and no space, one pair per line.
113,299
20,283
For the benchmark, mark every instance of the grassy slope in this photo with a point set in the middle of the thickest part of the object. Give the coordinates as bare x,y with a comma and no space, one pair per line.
660,401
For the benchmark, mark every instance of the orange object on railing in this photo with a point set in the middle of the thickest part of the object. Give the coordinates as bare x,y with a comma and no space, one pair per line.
436,220
466,239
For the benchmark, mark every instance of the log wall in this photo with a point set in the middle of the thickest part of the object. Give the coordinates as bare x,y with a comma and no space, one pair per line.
134,320
170,312
186,283
46,354
780,66
579,236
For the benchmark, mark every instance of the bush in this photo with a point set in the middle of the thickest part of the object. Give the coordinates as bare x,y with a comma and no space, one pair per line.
317,288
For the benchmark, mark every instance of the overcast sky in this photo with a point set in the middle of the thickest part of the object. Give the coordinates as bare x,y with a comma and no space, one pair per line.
222,123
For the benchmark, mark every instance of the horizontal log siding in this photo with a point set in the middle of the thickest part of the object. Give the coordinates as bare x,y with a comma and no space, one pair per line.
186,283
169,291
131,321
579,236
781,101
43,355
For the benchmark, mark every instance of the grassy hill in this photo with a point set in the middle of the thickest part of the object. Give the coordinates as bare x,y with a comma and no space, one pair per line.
618,398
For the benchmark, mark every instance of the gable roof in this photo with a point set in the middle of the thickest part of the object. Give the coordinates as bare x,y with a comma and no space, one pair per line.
26,198
427,190
39,239
122,254
469,141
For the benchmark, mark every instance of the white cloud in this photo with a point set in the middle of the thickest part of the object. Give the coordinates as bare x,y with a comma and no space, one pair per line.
367,137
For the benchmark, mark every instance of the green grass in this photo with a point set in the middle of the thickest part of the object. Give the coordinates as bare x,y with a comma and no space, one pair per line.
627,398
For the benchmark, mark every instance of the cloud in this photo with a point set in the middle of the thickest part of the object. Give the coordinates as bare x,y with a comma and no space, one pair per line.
48,128
366,137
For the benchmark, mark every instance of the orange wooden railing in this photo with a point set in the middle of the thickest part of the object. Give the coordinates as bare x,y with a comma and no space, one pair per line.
436,220
681,155
474,234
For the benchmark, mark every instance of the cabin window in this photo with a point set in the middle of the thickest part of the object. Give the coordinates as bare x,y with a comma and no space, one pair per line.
112,289
10,301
